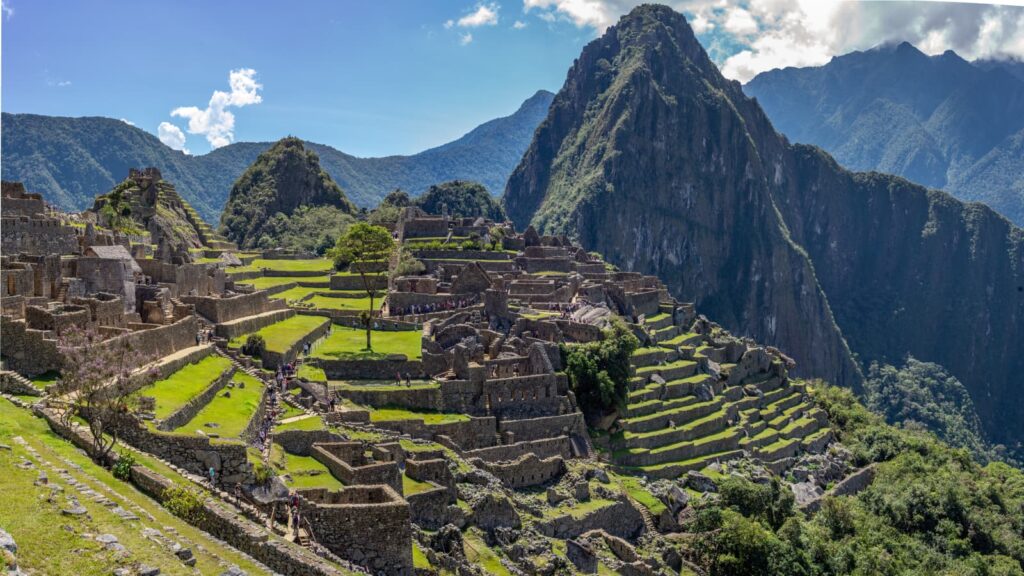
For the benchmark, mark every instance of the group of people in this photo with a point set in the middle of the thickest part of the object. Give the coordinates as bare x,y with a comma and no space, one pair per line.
449,304
273,409
398,382
204,336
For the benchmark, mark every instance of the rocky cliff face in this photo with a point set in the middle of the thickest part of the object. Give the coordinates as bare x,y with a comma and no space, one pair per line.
651,157
282,179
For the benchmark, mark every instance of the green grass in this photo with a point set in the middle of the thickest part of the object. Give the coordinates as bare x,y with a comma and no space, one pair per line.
281,336
307,424
174,391
36,523
311,373
480,554
44,380
314,265
387,414
410,486
230,413
270,281
332,303
419,559
637,492
305,471
579,509
350,344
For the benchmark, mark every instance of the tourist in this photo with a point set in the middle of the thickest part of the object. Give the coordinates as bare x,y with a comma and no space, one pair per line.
199,338
213,477
408,380
398,378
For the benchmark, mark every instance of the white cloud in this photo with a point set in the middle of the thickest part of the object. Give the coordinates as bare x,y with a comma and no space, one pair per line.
5,7
172,136
465,39
127,121
751,36
484,15
519,24
448,24
216,122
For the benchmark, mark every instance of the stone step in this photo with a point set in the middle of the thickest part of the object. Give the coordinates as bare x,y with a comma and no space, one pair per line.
705,426
651,406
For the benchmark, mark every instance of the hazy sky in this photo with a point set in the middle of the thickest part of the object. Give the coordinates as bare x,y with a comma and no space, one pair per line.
395,77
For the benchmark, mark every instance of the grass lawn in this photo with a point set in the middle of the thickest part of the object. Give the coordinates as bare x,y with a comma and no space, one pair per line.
316,264
637,491
332,303
387,414
44,380
53,543
305,471
270,281
410,486
230,413
307,424
419,559
174,391
346,343
480,554
312,373
282,335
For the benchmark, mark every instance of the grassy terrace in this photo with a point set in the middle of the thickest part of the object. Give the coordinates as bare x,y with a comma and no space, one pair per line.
281,336
636,491
44,380
306,424
315,265
174,391
270,281
346,343
302,471
230,410
389,414
53,543
410,486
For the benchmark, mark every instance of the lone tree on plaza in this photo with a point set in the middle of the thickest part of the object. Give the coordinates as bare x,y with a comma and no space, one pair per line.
367,250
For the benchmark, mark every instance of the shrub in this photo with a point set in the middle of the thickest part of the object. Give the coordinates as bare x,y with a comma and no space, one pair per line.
599,371
263,473
123,467
254,345
185,503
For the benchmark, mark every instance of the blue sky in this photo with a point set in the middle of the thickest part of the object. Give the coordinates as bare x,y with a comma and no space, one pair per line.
396,77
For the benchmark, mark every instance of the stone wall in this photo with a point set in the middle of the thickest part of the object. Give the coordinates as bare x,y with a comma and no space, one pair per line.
367,525
527,470
618,519
355,282
411,398
545,427
300,442
347,463
251,324
226,309
545,448
429,509
272,359
466,435
36,236
369,369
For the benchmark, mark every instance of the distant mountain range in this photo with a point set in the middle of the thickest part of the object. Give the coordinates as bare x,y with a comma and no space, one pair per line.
71,160
940,121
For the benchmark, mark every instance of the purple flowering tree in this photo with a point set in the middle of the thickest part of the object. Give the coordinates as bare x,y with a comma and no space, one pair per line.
98,382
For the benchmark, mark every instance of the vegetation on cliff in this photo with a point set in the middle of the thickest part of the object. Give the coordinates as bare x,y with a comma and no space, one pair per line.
265,198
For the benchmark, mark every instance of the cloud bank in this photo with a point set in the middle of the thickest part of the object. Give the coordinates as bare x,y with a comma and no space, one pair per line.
751,36
172,136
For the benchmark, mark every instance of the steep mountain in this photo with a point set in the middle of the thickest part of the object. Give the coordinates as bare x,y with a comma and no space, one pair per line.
462,199
70,160
651,157
939,120
280,181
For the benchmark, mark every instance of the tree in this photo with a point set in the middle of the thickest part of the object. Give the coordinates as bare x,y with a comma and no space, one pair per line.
599,371
406,264
99,379
363,248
